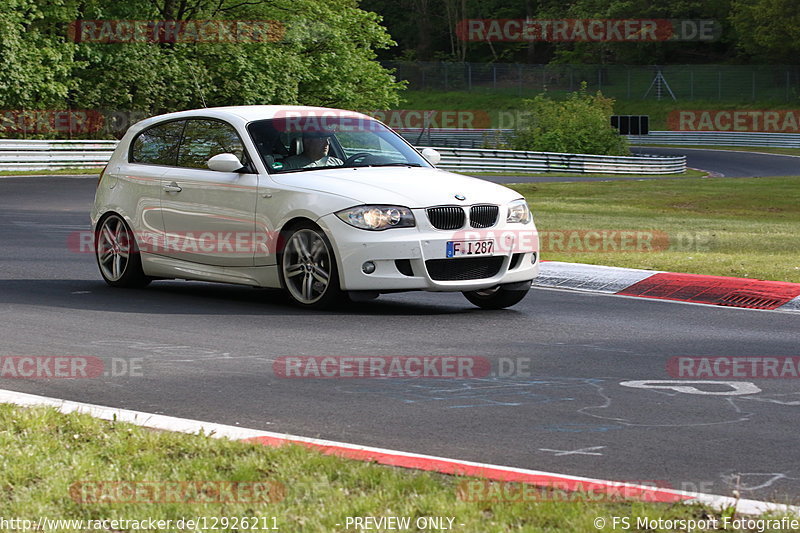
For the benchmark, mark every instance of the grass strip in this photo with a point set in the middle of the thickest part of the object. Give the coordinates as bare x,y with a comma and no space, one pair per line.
501,105
46,455
741,227
48,172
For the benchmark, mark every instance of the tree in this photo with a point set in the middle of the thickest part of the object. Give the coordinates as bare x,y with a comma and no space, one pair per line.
323,54
325,57
35,62
405,19
767,30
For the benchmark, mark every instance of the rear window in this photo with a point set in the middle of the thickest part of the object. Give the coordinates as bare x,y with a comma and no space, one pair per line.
158,145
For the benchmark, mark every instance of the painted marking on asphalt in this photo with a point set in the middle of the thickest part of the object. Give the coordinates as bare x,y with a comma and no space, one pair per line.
582,451
769,479
165,349
773,401
578,428
399,458
475,393
738,388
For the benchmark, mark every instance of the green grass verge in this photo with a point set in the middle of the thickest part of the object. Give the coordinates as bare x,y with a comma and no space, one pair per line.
659,111
45,453
690,173
462,100
742,227
61,172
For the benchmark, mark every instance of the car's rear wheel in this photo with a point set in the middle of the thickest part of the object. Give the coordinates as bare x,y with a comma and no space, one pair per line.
117,254
499,296
308,268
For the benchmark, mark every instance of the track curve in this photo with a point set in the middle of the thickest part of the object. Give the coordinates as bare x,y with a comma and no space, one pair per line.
730,163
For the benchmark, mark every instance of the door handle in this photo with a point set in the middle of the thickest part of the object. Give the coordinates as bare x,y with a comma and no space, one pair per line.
172,187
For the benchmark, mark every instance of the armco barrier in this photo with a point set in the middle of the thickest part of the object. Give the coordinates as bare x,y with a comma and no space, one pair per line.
44,155
456,138
485,160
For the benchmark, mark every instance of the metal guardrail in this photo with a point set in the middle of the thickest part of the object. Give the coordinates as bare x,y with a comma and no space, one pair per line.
456,138
43,155
718,138
487,160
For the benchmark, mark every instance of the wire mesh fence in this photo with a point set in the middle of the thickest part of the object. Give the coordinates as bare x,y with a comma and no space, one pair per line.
683,82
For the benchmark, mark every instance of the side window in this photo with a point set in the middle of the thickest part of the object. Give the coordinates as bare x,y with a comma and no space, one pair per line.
158,145
203,139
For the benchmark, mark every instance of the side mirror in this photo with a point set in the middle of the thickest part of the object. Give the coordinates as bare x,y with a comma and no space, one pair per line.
224,163
432,156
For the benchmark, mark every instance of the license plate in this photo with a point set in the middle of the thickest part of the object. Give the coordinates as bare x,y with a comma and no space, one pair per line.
458,248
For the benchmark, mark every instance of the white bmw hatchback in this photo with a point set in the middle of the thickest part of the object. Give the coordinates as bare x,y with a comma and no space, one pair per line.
323,203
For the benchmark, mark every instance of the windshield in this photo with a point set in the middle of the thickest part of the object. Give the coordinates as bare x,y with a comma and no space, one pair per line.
305,143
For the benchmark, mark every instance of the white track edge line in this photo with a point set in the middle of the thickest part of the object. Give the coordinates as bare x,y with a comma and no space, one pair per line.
186,425
792,306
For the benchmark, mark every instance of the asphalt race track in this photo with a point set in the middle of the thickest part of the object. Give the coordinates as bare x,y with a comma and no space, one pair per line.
206,351
731,164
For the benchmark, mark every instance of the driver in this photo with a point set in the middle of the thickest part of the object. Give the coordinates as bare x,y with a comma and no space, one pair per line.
315,152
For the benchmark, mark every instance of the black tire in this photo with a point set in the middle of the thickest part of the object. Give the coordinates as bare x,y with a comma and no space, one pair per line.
117,254
498,297
307,268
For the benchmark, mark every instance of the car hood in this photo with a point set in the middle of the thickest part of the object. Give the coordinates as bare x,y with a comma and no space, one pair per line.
411,187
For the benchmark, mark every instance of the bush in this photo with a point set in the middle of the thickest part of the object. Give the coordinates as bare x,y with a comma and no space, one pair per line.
579,125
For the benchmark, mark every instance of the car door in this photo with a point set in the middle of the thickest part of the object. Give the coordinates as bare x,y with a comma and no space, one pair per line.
209,216
152,154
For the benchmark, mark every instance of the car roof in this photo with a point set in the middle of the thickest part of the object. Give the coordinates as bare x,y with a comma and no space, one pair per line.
249,113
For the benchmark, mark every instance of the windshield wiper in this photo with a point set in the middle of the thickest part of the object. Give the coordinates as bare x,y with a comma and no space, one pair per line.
304,169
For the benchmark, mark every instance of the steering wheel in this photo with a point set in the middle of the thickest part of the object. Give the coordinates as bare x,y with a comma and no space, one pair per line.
355,157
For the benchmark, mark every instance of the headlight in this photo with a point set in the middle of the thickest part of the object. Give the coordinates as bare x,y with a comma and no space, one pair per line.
378,217
518,212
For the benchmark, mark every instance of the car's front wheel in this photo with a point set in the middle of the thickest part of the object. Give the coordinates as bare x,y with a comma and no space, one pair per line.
308,268
499,296
117,254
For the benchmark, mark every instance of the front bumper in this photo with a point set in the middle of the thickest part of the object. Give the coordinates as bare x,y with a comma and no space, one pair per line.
422,252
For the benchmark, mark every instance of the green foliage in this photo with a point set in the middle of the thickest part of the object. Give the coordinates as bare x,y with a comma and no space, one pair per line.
648,53
35,62
325,57
768,30
427,30
580,124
